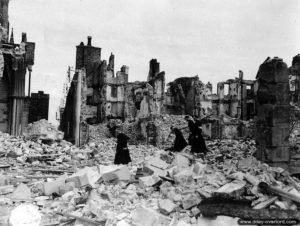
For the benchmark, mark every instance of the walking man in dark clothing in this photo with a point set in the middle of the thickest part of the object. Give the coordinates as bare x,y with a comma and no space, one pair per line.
196,139
122,154
179,142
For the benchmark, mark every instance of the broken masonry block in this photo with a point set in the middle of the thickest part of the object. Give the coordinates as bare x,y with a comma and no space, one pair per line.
270,114
148,181
273,154
143,216
53,186
277,93
79,181
22,193
272,136
234,188
120,173
190,201
184,177
166,206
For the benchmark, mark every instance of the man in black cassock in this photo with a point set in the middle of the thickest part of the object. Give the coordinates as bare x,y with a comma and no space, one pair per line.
179,142
122,154
196,139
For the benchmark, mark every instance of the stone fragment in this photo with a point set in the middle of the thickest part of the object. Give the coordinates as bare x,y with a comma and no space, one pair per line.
122,223
21,193
6,189
67,187
190,201
143,216
79,181
282,204
247,163
53,186
181,161
251,179
195,211
4,180
234,187
121,216
184,177
43,130
199,169
148,181
182,223
166,206
156,171
92,175
120,173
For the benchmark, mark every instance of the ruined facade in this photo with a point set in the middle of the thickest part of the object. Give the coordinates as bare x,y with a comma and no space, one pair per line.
233,103
145,99
189,96
273,112
236,98
15,60
39,106
109,95
114,91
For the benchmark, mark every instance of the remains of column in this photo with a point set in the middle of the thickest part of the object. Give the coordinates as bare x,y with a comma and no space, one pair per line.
273,112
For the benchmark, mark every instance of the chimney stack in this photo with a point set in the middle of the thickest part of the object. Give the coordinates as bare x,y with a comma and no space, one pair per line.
24,37
89,41
241,74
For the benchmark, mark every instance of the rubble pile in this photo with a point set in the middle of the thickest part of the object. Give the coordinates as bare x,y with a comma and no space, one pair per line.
165,123
60,184
98,132
43,130
136,131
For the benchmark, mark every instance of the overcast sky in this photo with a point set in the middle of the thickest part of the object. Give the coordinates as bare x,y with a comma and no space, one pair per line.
213,39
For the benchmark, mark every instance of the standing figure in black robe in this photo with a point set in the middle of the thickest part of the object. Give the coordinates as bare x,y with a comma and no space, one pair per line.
179,142
196,139
122,154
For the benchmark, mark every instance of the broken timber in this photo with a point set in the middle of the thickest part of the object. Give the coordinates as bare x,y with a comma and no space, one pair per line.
242,209
277,191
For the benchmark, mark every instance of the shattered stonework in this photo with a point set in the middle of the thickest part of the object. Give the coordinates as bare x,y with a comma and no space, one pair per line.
238,101
273,112
294,73
189,96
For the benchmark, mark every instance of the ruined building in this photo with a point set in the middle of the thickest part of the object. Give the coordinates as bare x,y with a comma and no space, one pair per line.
189,96
234,98
15,60
144,99
103,90
233,103
108,95
39,107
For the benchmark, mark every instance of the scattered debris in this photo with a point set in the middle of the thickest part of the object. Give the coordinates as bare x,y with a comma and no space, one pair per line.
71,185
